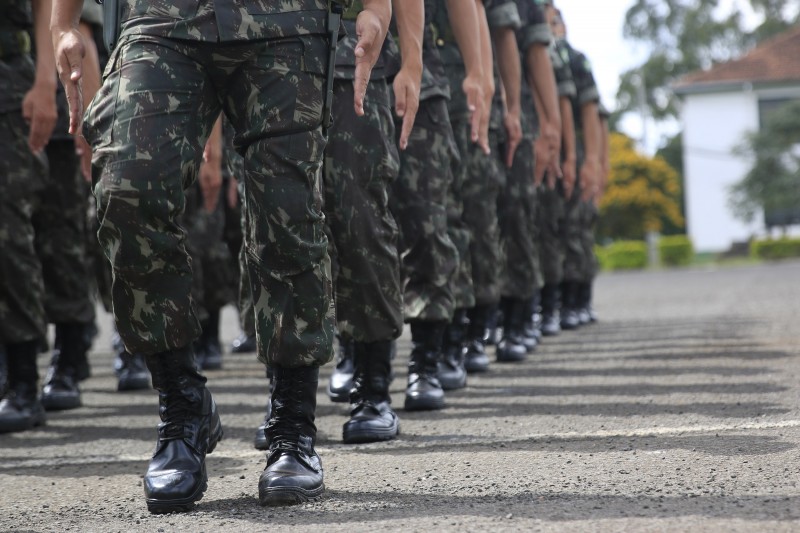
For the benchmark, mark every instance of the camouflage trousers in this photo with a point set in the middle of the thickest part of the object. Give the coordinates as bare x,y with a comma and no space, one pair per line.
213,276
574,252
517,212
148,126
588,218
480,180
22,316
361,162
60,224
418,201
550,218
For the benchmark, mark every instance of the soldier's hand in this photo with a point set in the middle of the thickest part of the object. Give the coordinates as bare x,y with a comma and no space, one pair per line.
40,112
513,126
84,153
70,50
590,177
541,156
371,26
569,174
473,90
233,192
406,97
210,179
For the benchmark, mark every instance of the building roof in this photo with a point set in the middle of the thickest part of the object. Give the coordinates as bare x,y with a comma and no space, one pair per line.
775,61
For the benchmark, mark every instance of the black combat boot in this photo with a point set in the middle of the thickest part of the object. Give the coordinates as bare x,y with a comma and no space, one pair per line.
451,373
585,300
209,349
261,442
294,470
494,327
551,317
475,359
341,381
512,348
424,392
372,418
60,391
244,343
132,373
190,428
533,318
569,312
20,408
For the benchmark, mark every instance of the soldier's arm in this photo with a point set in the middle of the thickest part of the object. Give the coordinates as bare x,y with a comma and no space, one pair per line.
510,69
210,175
39,104
371,27
543,82
70,48
91,84
410,17
464,20
569,143
590,169
605,163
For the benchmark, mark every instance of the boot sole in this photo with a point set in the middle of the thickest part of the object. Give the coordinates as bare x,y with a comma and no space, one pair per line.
423,405
59,404
476,368
453,384
186,504
373,435
280,496
338,396
137,383
23,425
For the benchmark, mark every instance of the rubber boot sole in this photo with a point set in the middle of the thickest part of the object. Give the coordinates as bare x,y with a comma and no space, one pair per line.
360,436
280,496
156,506
423,404
22,424
136,382
56,403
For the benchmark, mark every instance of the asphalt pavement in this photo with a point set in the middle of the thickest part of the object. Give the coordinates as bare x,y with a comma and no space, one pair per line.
678,411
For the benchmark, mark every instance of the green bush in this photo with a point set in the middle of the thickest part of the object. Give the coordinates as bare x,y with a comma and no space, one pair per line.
626,255
775,249
676,250
601,253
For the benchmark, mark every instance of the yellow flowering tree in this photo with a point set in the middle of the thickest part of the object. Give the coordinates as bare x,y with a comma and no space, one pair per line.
642,194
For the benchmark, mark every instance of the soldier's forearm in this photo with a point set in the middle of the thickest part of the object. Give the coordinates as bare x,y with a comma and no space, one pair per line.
464,21
591,131
543,81
66,14
410,16
508,64
567,130
45,60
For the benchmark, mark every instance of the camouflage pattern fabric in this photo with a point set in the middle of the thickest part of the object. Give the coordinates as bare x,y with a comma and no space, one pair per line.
214,279
574,254
481,180
550,218
147,125
22,316
588,218
516,210
361,162
429,256
60,224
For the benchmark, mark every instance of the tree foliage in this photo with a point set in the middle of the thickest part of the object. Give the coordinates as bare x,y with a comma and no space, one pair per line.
643,193
688,35
772,185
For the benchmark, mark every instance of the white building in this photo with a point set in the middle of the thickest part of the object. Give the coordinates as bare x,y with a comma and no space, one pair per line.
720,106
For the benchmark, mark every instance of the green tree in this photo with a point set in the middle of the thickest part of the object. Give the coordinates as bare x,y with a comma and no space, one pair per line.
643,193
772,185
672,153
688,35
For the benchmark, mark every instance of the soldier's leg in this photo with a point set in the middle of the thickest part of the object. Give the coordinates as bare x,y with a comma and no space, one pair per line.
574,261
551,213
361,162
22,316
429,256
60,222
584,297
148,127
515,210
275,103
